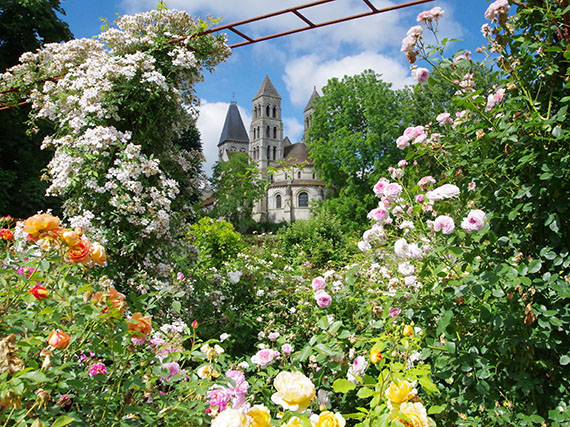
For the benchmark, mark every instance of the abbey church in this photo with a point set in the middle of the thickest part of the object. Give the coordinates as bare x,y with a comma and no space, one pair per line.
294,186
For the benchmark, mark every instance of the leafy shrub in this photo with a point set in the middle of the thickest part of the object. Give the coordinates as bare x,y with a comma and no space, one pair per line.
216,240
319,240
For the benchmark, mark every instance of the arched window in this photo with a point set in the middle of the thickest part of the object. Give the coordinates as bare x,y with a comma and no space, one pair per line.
268,153
258,133
267,132
274,152
303,200
274,111
267,111
299,175
278,201
274,133
253,133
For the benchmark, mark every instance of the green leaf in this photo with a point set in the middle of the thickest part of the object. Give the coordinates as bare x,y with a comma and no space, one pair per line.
304,354
428,385
62,421
35,376
436,409
534,266
564,360
365,392
343,386
323,322
176,306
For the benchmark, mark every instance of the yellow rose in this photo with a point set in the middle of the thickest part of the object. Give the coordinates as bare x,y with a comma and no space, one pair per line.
408,331
375,355
98,254
294,391
412,415
328,419
400,392
293,422
40,223
260,416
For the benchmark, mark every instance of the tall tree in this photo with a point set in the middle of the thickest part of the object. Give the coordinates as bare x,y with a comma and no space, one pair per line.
351,139
25,25
237,186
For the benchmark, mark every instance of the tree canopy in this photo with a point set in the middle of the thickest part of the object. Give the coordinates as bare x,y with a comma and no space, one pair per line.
351,139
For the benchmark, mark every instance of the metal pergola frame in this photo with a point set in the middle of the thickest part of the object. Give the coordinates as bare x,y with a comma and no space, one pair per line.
247,40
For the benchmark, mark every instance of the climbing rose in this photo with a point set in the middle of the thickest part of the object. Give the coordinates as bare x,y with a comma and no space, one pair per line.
475,221
323,298
97,368
444,223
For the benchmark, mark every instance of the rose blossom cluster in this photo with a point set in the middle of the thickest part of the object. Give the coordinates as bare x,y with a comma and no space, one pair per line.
412,135
265,357
412,43
496,9
233,394
322,297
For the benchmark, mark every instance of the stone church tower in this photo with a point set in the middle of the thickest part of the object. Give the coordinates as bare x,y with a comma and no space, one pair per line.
266,129
294,185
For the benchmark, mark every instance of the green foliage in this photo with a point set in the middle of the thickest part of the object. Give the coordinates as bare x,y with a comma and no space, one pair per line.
237,186
25,26
216,241
319,240
351,139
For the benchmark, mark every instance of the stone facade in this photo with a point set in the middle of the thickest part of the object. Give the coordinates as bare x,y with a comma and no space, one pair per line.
294,185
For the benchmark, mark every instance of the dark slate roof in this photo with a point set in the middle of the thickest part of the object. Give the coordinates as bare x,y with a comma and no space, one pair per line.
296,153
314,98
267,89
233,130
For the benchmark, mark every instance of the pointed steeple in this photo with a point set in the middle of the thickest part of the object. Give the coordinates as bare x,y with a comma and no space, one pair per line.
234,129
267,89
314,98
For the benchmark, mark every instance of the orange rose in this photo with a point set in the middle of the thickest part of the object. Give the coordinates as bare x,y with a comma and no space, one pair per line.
70,238
58,339
98,254
39,292
375,355
6,234
80,252
40,223
408,331
141,326
112,297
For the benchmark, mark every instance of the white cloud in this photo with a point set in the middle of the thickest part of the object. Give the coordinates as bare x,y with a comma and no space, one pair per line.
210,123
293,129
307,71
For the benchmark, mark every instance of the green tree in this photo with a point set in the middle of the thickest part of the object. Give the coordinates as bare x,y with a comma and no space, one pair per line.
25,26
237,185
351,139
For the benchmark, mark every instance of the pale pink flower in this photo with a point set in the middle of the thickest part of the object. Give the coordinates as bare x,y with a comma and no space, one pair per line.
420,198
402,163
386,202
97,368
402,142
379,187
173,369
476,220
401,248
485,30
464,55
437,12
323,298
218,396
420,74
444,118
499,95
408,44
496,9
265,357
444,223
425,17
410,281
394,311
393,190
471,186
396,173
379,215
415,31
426,181
273,336
180,276
318,283
406,269
287,348
357,368
414,251
490,102
446,191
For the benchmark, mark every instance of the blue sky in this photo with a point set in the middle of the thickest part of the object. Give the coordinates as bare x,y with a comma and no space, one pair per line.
296,63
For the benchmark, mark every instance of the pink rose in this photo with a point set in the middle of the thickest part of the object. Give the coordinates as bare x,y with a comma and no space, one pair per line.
394,311
425,181
444,118
379,187
393,190
323,298
287,348
379,215
475,221
218,396
318,283
402,142
446,191
496,8
420,74
173,369
264,358
408,44
444,223
420,198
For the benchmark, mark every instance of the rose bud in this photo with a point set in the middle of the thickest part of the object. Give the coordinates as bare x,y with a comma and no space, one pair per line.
39,292
58,339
